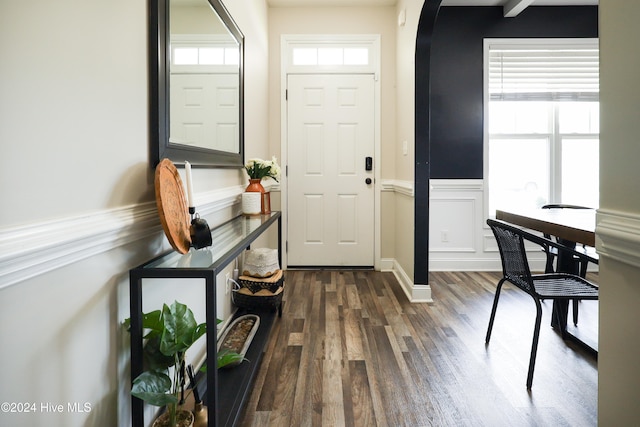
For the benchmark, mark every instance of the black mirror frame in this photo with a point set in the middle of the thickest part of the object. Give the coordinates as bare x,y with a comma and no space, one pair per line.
159,94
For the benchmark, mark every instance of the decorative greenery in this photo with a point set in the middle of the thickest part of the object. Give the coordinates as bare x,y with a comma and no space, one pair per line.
260,169
172,331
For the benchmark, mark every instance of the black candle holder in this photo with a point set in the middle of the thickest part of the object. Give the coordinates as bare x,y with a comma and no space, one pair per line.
199,230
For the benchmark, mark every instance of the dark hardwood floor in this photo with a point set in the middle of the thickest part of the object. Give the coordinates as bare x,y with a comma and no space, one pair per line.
350,350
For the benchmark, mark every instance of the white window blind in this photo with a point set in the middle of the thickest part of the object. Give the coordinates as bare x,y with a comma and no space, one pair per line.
553,72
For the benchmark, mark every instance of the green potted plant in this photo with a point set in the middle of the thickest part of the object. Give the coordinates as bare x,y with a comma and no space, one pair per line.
171,332
254,194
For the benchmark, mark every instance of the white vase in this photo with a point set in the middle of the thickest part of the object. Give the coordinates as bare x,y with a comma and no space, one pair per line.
251,203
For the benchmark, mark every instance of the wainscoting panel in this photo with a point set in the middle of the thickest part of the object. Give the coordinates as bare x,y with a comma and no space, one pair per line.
451,224
459,238
458,235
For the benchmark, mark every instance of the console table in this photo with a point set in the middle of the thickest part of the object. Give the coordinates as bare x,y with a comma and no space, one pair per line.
229,240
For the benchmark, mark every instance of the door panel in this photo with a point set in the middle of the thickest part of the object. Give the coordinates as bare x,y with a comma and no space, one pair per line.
330,205
195,100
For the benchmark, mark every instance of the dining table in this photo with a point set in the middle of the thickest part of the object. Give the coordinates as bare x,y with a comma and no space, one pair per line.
571,227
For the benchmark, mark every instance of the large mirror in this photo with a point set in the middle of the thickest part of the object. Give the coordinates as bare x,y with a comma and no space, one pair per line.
196,69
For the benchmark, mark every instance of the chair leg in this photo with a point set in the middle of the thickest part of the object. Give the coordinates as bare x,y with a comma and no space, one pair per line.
575,311
493,310
534,344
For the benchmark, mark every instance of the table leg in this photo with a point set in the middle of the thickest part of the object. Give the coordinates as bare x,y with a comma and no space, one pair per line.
566,264
560,315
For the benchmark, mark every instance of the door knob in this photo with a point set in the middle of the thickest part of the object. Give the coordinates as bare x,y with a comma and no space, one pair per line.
367,181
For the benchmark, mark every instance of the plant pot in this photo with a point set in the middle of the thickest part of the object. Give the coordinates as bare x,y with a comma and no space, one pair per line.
251,203
255,193
184,418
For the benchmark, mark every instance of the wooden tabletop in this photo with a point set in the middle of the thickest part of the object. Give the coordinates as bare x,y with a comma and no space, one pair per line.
576,225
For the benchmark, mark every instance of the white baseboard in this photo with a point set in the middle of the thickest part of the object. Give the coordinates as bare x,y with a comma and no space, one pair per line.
464,264
415,292
461,263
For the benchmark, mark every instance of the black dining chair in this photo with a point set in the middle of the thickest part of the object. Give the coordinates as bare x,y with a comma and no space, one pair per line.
580,263
554,286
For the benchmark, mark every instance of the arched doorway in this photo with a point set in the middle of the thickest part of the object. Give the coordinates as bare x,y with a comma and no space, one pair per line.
424,38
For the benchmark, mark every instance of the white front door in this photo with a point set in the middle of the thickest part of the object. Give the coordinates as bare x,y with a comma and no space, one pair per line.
331,122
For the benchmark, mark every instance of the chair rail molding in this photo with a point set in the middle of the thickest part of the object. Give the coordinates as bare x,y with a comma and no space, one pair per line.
27,251
457,185
618,236
398,186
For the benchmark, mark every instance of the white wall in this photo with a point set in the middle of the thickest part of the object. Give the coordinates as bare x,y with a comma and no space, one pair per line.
618,223
78,198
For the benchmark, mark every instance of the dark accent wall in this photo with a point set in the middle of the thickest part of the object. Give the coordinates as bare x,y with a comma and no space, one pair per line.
449,95
456,140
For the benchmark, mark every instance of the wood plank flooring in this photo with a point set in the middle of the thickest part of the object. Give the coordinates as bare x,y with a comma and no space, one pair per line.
350,350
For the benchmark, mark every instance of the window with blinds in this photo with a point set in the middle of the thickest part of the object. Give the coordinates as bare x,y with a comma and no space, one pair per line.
525,70
541,122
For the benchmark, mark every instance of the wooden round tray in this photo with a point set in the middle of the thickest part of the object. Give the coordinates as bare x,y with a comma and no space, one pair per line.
172,206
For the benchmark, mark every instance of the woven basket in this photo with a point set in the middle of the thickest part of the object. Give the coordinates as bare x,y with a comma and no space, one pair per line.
255,284
256,293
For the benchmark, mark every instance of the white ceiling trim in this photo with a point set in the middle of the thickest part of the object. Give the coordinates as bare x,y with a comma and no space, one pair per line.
513,7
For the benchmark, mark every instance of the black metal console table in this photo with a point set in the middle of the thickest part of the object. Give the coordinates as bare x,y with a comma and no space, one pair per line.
229,241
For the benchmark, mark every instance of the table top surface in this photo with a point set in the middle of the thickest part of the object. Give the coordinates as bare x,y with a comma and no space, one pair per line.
576,225
225,238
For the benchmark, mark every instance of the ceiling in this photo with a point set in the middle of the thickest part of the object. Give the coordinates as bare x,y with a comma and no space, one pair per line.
297,3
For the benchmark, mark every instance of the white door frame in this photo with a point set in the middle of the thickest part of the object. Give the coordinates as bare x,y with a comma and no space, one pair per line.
372,41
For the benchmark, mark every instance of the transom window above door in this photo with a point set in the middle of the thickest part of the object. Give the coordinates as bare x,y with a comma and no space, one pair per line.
337,54
199,53
331,56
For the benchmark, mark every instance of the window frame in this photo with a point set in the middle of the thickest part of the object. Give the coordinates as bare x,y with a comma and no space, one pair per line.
555,137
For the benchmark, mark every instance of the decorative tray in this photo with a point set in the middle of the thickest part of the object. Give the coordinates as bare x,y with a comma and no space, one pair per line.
172,206
238,335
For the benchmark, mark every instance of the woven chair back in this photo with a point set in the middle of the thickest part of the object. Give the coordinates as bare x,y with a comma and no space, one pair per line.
515,266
